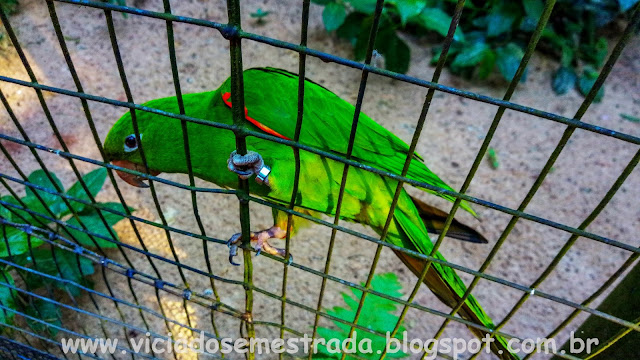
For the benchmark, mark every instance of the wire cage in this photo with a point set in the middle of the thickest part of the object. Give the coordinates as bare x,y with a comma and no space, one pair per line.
146,297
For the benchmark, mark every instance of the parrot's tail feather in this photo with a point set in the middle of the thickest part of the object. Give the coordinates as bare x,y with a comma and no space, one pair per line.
435,282
435,218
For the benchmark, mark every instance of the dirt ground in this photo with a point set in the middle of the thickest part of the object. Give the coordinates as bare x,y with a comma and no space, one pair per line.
454,131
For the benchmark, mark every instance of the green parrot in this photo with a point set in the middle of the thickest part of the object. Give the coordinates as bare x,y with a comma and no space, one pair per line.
271,107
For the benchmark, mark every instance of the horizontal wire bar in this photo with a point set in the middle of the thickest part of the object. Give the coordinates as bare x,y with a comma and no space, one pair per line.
229,31
19,344
82,251
90,255
40,337
130,247
321,222
446,263
59,328
109,297
455,194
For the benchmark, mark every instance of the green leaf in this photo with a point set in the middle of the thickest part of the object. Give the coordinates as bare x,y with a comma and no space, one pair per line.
45,311
362,40
408,8
533,8
69,267
601,50
377,314
397,55
54,202
585,84
365,6
322,2
350,29
437,20
563,79
493,158
92,221
509,57
625,5
333,16
395,51
17,240
5,213
501,18
7,297
634,119
471,55
9,6
259,14
487,64
31,203
567,55
94,182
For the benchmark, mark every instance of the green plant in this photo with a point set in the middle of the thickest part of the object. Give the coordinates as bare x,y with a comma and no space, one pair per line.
260,15
378,314
32,253
491,34
9,6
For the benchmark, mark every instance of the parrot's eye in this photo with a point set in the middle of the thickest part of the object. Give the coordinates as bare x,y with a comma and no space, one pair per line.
130,143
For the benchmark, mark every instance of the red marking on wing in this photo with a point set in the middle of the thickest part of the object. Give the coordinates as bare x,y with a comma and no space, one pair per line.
265,128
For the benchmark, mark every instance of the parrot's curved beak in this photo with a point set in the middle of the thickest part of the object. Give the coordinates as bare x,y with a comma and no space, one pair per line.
132,179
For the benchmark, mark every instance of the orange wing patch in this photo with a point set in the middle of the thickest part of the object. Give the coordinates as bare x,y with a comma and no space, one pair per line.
226,96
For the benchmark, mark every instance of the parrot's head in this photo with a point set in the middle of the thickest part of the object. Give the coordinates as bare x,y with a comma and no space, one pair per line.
159,136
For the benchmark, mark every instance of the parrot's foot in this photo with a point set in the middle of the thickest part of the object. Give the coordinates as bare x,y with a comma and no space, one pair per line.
247,165
259,243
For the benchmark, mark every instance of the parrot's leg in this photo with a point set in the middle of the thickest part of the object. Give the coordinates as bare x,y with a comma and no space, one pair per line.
259,243
247,165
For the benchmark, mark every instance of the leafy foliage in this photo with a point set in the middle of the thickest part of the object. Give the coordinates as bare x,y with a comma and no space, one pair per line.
33,254
377,314
9,6
260,15
491,34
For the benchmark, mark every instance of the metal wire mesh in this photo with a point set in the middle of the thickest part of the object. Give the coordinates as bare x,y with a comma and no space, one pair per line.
31,340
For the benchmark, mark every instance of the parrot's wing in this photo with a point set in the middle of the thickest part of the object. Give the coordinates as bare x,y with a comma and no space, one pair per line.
271,101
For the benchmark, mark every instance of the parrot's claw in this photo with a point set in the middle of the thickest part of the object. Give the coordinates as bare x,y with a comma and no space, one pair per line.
245,165
232,244
259,243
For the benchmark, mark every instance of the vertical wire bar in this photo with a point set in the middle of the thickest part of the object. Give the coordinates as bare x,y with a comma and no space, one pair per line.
68,290
414,142
14,295
117,305
352,136
134,121
25,136
237,96
535,37
296,154
569,243
24,177
621,270
47,285
12,161
628,33
187,151
125,85
609,342
65,51
47,112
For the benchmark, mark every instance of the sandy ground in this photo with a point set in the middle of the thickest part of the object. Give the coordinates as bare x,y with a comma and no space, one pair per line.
454,131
